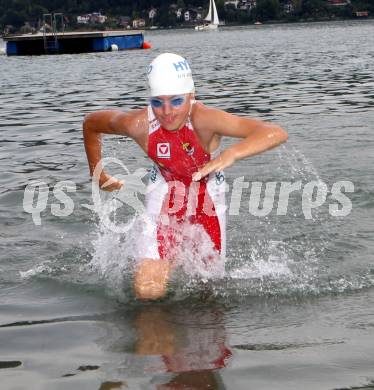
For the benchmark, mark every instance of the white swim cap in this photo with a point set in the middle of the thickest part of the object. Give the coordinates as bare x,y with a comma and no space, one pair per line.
170,74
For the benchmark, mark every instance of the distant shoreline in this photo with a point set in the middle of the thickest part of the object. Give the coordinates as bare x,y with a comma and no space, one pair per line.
271,22
231,25
268,23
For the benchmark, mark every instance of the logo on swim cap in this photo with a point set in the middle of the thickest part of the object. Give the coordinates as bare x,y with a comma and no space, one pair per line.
181,65
170,74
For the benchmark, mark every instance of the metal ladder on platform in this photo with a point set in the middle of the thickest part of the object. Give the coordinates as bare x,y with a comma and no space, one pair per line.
57,26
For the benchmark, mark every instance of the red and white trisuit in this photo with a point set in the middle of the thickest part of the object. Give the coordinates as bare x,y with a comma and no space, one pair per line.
171,194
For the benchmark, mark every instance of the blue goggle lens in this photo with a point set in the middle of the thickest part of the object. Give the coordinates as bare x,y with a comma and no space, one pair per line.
178,101
156,103
175,102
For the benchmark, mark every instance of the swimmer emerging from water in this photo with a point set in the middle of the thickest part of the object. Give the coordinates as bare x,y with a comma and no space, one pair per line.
182,136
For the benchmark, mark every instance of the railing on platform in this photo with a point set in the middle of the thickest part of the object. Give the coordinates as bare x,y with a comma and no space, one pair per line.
56,26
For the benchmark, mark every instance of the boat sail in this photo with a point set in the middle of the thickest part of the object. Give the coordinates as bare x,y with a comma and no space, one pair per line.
211,18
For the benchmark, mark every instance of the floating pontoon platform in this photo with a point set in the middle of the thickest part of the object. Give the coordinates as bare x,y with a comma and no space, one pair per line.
73,42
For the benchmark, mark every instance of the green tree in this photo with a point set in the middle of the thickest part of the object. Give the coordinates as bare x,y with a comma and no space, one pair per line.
181,4
359,5
314,8
164,17
267,10
229,14
13,18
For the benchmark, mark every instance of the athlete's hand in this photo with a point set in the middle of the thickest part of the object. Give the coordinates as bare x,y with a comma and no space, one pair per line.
224,160
109,183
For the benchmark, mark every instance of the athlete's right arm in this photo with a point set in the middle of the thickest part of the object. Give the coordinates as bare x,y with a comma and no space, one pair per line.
109,122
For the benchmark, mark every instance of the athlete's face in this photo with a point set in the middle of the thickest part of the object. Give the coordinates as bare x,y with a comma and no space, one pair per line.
171,111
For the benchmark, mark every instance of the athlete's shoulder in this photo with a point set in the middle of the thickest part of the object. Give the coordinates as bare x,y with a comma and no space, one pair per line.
131,123
204,117
200,109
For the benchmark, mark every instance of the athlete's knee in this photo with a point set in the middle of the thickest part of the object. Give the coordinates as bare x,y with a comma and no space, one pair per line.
150,290
151,278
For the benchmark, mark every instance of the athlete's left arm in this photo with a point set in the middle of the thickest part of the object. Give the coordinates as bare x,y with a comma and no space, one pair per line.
257,137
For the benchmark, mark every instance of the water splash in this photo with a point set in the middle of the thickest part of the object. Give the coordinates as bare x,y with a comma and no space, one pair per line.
117,248
39,269
298,166
276,266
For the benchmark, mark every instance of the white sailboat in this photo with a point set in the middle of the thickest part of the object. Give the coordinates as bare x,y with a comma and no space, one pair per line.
211,19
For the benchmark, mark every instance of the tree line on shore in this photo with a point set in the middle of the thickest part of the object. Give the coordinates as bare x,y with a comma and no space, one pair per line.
16,13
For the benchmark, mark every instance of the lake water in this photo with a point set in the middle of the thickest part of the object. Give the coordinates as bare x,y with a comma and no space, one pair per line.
295,308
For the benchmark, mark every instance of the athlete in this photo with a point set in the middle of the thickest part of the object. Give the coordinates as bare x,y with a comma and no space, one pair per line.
182,137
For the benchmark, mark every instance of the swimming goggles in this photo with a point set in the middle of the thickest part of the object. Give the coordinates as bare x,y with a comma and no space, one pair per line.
175,101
